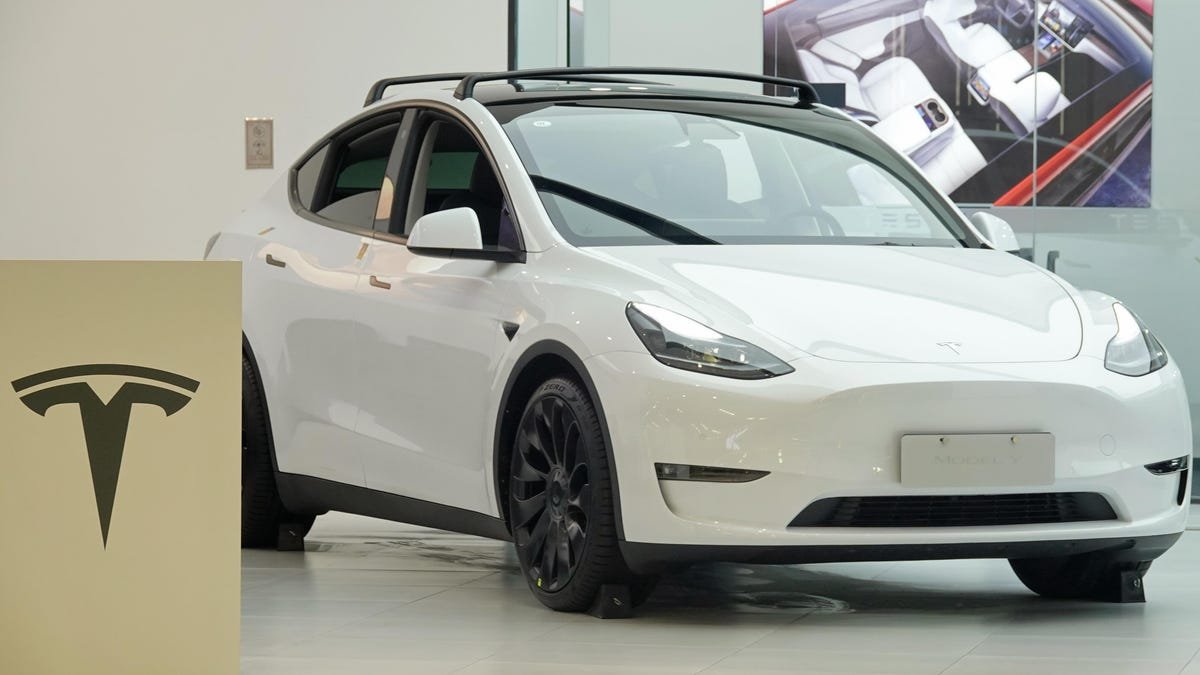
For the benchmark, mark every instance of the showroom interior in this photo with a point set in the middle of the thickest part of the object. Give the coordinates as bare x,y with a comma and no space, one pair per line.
136,131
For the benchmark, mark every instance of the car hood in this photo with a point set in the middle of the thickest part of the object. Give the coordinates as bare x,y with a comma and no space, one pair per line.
864,303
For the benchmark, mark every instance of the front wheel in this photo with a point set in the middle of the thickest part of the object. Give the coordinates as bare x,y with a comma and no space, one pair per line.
1092,576
560,500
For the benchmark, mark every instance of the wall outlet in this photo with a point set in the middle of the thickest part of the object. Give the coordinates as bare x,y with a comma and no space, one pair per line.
260,143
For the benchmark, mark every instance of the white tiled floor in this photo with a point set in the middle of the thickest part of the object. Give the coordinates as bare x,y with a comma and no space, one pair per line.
370,596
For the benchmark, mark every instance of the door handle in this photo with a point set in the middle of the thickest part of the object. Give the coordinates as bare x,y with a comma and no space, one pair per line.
379,284
272,260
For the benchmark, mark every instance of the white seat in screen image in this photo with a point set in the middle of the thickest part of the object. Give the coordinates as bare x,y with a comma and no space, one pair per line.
895,94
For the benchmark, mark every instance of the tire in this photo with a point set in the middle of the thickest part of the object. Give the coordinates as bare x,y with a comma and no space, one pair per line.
560,501
262,511
1092,576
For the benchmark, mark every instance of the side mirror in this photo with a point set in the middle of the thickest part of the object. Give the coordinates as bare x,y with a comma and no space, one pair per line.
455,233
445,232
998,233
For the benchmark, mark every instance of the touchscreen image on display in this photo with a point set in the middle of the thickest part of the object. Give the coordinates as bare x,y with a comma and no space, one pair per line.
1049,103
1065,24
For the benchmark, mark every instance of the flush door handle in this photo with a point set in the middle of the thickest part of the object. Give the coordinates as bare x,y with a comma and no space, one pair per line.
272,260
379,284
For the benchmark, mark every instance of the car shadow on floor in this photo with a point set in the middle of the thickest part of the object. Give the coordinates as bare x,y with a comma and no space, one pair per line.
769,588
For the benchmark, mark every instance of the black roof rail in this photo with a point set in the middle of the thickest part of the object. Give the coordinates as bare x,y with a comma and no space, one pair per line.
377,89
806,94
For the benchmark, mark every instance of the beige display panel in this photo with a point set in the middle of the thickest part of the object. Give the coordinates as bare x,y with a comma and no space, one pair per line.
119,467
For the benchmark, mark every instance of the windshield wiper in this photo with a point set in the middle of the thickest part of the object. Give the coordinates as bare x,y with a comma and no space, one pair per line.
643,220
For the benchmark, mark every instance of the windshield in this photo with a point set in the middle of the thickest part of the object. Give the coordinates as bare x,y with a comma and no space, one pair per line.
611,175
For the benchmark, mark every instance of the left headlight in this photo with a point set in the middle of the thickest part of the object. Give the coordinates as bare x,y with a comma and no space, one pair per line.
680,342
1133,350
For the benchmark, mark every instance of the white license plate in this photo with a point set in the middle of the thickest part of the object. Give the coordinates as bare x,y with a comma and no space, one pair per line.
976,460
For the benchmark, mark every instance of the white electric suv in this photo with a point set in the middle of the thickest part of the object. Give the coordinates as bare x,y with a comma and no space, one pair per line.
630,325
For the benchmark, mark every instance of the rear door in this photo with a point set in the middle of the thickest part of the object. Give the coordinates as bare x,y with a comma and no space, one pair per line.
300,316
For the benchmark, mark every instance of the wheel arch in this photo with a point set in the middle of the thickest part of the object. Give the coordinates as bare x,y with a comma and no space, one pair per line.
248,354
542,360
286,496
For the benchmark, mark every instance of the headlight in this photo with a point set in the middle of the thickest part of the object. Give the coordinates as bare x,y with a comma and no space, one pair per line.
680,342
1133,350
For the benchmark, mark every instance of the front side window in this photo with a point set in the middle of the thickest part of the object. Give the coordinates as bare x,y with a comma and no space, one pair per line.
451,172
614,175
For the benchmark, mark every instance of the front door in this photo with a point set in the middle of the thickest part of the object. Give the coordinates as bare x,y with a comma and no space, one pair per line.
433,332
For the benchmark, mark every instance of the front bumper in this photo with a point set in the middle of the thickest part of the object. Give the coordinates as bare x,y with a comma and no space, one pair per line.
833,429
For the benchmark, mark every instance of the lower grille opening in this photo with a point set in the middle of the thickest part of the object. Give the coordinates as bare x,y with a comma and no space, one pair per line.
955,510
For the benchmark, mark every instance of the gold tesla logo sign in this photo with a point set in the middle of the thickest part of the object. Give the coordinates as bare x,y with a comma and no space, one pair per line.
105,424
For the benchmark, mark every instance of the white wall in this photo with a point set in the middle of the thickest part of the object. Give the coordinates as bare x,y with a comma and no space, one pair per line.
1175,145
717,34
541,33
121,121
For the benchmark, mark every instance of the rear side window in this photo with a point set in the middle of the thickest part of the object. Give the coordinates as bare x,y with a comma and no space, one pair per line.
345,179
361,165
359,176
307,176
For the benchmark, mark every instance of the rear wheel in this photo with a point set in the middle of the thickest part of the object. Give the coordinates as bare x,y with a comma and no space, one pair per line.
1085,576
560,501
262,511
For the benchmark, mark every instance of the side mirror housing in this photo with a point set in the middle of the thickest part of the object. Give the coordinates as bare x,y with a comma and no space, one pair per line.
998,233
451,230
454,233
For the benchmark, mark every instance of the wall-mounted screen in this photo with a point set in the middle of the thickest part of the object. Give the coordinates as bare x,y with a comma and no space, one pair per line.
1006,102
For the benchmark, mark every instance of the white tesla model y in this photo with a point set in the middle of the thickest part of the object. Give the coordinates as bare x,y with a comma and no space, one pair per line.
630,325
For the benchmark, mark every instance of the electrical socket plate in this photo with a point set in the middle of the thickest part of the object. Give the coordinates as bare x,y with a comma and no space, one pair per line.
260,143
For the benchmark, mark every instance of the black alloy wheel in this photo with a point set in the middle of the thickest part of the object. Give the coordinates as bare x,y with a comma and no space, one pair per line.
551,493
561,502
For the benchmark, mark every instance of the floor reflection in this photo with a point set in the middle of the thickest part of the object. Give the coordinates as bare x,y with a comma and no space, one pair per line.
369,596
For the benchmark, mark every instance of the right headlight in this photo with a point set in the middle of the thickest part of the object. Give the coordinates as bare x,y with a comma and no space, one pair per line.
1133,350
680,342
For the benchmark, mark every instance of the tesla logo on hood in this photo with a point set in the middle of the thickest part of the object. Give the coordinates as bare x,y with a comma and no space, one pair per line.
952,346
105,424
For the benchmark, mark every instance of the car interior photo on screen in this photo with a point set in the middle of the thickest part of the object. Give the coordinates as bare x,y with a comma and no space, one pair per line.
631,325
984,94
